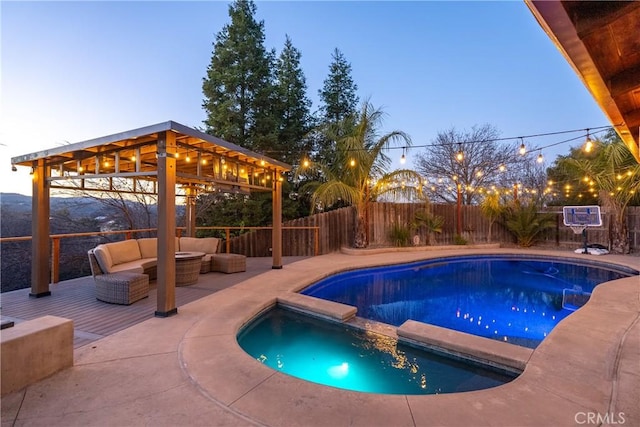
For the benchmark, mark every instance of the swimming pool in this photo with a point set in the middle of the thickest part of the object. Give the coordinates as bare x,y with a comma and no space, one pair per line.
340,356
515,299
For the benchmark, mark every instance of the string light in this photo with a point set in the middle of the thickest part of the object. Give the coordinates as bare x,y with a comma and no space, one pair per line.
352,163
523,148
403,158
588,144
540,158
460,154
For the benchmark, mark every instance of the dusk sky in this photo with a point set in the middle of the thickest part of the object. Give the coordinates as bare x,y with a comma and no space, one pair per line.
73,71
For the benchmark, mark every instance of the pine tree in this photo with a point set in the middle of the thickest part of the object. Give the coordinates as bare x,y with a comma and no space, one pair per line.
238,88
338,94
339,103
293,106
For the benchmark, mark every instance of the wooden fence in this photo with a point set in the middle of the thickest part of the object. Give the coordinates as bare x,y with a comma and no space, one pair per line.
314,235
326,231
336,229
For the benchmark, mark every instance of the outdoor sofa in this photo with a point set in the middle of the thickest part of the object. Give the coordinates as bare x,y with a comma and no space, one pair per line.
122,270
140,256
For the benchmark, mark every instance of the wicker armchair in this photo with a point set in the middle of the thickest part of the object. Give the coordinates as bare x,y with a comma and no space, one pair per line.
118,288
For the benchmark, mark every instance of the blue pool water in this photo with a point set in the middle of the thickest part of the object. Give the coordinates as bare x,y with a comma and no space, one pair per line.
512,299
336,355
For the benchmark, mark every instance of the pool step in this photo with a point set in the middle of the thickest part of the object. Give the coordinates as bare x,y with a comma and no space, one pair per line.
573,299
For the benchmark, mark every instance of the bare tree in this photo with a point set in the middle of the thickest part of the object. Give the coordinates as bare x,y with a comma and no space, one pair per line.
132,203
469,162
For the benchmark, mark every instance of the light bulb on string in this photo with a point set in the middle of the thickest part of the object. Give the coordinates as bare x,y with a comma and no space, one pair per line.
403,158
459,154
523,148
540,158
588,144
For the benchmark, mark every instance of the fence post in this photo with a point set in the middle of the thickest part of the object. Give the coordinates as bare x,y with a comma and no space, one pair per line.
55,260
228,234
316,245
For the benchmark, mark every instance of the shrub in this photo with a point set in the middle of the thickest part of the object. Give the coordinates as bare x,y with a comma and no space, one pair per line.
459,240
526,223
433,223
400,235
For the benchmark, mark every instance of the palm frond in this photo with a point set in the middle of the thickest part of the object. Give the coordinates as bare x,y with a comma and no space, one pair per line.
332,192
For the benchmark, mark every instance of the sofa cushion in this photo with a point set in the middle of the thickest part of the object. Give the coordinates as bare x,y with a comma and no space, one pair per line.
125,251
130,267
208,245
103,257
148,247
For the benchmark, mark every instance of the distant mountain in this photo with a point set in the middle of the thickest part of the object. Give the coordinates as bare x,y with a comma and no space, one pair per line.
79,207
17,202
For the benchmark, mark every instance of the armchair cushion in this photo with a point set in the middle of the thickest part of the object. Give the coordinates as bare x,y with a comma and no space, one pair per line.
103,257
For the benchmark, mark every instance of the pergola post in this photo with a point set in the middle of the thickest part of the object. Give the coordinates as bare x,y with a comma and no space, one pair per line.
40,231
276,235
166,294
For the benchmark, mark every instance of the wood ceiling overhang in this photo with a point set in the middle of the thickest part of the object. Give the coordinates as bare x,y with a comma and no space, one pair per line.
202,161
601,41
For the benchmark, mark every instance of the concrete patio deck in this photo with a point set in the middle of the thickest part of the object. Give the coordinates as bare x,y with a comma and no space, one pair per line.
189,370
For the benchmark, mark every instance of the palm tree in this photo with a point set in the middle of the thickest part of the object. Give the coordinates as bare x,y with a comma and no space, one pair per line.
492,210
616,174
526,223
357,175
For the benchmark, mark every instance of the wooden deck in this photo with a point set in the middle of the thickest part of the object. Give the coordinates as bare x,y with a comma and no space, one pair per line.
92,319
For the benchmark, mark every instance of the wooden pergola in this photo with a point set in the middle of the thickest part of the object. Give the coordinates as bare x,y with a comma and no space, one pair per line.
165,156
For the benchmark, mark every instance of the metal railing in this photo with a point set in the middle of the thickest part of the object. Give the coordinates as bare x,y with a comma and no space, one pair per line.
56,238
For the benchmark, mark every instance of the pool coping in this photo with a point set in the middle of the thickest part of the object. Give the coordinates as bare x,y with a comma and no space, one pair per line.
575,370
501,355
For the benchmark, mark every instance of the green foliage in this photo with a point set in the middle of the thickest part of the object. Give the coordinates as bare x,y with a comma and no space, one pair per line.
357,174
432,223
238,89
526,223
459,240
293,107
609,174
338,102
338,94
238,210
492,209
400,235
